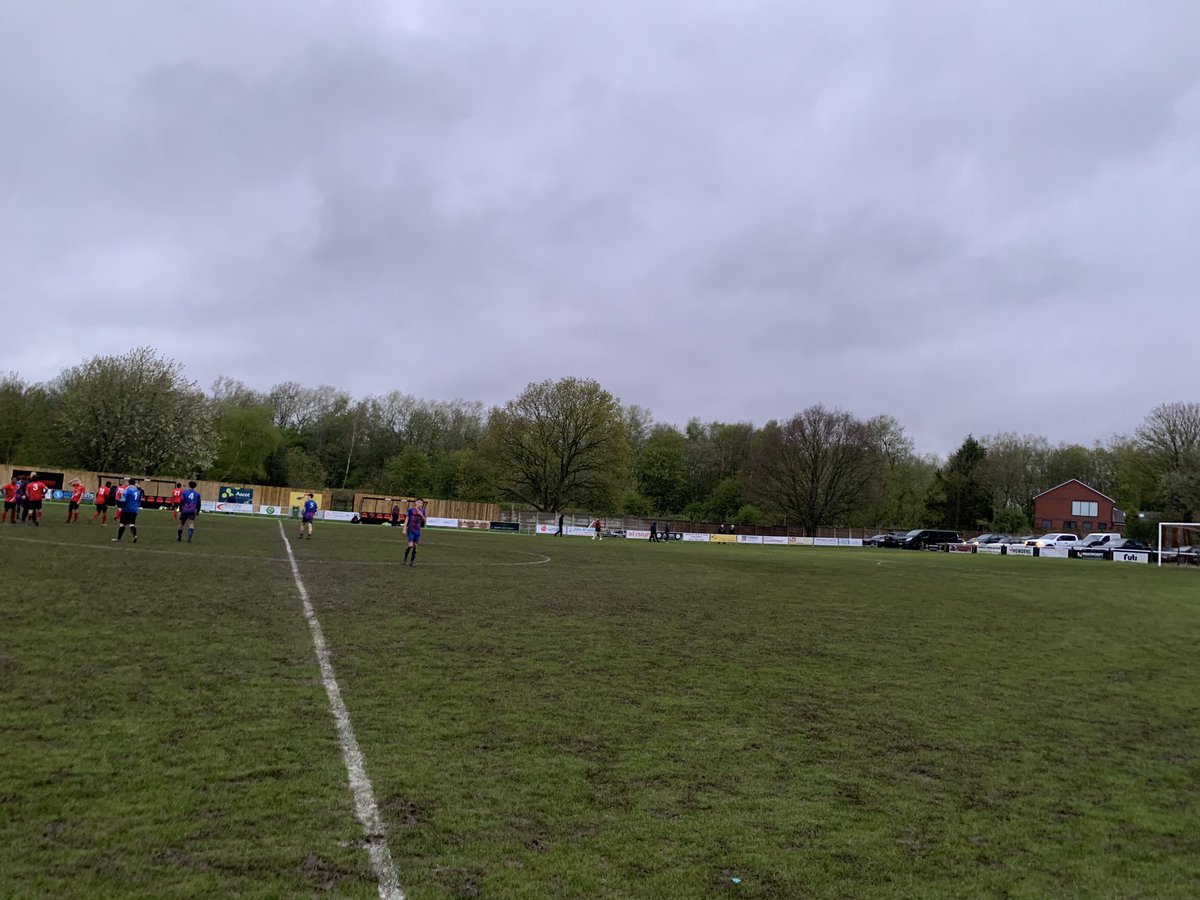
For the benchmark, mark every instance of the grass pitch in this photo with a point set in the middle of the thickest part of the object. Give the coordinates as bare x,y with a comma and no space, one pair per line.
624,720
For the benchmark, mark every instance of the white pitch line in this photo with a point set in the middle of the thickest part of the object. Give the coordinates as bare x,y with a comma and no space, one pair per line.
186,554
364,795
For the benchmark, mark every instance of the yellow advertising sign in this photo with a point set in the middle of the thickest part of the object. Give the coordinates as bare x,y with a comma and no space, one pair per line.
297,498
722,538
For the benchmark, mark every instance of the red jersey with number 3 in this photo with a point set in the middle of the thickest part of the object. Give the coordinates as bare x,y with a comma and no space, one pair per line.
35,491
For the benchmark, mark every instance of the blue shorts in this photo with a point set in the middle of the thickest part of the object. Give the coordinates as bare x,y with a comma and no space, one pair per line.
414,536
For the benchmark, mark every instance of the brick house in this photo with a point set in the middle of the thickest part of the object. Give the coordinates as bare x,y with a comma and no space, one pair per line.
1075,507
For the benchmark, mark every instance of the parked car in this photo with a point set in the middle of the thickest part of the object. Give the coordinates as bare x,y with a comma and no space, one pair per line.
1054,539
1022,539
1126,544
923,538
990,539
891,539
873,540
1098,540
1189,555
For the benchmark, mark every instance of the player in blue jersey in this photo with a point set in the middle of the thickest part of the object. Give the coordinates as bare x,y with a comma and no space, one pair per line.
414,521
131,503
188,508
307,513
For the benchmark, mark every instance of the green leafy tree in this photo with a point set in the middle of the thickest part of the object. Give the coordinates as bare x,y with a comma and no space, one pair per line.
713,453
247,436
725,500
748,514
1180,495
961,496
133,413
1074,461
900,479
637,505
296,467
1016,469
1168,441
1010,520
246,440
409,472
639,425
14,416
660,471
561,443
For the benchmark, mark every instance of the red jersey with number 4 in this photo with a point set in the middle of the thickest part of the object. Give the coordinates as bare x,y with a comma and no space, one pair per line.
35,491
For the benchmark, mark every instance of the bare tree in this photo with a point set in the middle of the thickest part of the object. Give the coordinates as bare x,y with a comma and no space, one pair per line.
815,466
1170,437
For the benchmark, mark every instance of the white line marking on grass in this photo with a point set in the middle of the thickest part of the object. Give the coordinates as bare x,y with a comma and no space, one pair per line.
141,548
360,784
539,561
184,554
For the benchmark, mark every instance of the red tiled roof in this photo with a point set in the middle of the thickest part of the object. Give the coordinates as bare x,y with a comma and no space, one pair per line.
1076,481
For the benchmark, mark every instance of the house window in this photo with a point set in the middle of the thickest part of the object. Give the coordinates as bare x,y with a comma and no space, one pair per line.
1084,508
1102,526
1068,524
1087,526
1047,524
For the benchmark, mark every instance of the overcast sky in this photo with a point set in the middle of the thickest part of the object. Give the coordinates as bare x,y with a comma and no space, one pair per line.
961,214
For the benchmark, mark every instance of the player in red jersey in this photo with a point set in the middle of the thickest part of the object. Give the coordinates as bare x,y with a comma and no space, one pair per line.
35,492
103,495
77,492
176,496
9,492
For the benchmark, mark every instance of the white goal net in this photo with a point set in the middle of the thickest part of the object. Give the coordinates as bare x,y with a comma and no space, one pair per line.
1179,543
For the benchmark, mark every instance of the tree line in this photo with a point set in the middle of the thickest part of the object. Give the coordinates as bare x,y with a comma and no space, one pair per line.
569,445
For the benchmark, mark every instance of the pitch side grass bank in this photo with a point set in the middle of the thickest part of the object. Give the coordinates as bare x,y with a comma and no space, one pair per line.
624,720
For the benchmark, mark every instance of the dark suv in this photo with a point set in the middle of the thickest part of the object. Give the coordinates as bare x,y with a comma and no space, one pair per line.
924,538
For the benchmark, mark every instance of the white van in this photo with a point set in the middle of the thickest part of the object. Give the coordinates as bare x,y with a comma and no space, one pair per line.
1098,540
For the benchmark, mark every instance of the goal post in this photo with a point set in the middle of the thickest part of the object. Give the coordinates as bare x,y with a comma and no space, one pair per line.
1188,531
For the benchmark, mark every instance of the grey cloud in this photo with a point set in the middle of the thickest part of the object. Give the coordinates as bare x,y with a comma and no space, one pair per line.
730,210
